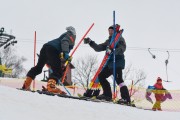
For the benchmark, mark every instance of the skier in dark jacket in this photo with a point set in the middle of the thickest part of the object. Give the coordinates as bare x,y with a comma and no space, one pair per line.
108,70
51,53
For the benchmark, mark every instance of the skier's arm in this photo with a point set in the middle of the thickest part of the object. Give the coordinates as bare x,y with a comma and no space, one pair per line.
98,47
65,46
121,47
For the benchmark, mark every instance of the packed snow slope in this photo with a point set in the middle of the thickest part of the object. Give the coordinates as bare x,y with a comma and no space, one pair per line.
22,105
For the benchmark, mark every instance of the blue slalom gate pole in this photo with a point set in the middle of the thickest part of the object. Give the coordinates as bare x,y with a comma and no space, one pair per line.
114,61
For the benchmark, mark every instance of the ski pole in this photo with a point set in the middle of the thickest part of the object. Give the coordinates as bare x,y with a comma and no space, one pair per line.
65,88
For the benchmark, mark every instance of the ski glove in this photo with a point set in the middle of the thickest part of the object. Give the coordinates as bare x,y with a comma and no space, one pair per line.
87,40
65,56
108,50
69,59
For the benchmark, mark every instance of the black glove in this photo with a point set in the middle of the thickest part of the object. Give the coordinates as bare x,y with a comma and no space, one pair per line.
87,40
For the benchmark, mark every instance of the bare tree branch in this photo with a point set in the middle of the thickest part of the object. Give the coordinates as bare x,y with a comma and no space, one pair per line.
85,69
11,60
138,77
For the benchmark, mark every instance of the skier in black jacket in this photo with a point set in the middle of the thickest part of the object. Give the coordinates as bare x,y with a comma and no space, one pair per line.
51,53
108,69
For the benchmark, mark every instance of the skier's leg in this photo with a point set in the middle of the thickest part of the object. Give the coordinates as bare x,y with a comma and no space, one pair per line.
158,97
123,88
55,64
155,106
159,105
35,70
105,73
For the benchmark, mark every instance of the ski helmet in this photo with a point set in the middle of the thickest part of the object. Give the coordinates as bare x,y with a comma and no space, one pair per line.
159,79
117,27
71,29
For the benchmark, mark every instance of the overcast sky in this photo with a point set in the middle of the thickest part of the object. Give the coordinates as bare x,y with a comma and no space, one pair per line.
146,24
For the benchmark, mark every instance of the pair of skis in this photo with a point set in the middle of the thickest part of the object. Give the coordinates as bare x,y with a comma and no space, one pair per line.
82,98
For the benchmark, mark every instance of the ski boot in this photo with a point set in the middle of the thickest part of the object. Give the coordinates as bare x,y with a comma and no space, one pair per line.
51,87
123,102
27,83
125,98
90,93
159,109
103,97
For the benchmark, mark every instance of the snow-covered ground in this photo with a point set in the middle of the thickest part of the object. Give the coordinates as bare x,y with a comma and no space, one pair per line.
19,105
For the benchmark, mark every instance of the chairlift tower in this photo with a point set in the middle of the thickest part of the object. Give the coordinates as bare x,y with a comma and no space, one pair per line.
6,39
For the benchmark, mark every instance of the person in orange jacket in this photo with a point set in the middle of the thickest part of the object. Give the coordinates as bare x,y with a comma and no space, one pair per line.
161,94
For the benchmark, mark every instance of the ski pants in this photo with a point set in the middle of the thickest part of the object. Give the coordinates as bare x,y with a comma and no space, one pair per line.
105,73
50,55
157,105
